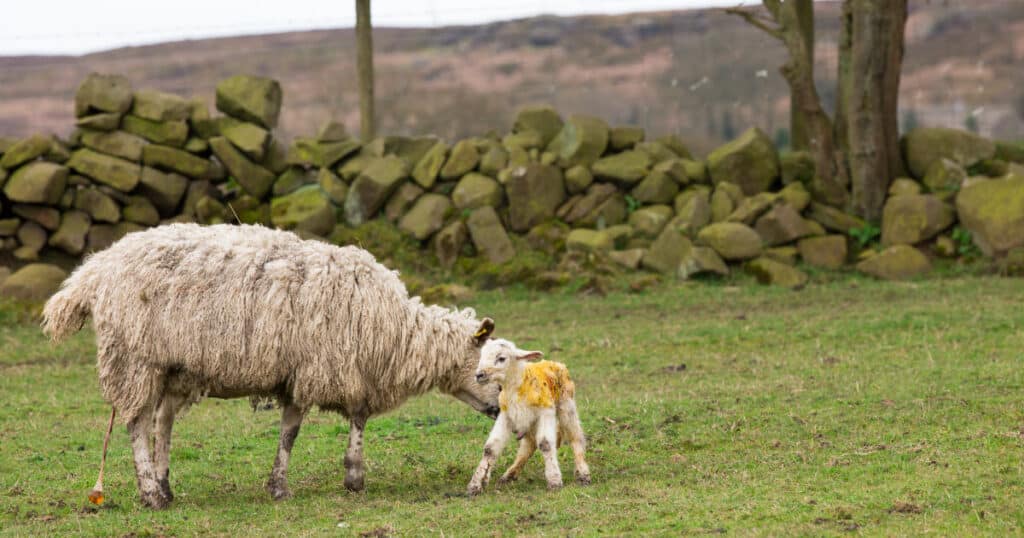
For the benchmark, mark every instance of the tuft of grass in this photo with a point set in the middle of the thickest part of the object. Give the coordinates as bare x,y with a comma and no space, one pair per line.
713,407
866,235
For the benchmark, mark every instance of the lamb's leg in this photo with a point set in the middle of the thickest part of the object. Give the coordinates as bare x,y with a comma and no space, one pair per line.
291,421
354,473
570,421
169,406
547,439
526,448
492,448
139,430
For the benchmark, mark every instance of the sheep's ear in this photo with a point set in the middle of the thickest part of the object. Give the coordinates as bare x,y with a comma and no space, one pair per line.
529,355
484,332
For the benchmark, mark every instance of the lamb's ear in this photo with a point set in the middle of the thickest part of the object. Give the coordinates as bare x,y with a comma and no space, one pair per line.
484,332
528,355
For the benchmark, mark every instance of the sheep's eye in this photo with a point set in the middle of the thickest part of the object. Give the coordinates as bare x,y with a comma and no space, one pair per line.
501,359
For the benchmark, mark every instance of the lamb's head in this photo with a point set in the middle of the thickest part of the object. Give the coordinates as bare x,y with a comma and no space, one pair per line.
500,359
480,396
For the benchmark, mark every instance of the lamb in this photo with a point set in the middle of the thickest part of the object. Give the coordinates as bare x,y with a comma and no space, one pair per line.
183,312
537,406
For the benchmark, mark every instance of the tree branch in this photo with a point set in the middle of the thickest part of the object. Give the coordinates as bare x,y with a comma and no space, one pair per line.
759,22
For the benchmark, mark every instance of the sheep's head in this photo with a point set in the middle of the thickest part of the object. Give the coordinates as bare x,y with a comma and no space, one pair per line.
480,396
499,359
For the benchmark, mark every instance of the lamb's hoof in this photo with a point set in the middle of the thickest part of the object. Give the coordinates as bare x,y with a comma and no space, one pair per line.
354,484
507,479
583,479
554,486
474,489
156,501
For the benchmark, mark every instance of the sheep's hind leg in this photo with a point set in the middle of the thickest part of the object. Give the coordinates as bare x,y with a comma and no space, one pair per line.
291,421
570,421
354,473
526,448
492,448
547,439
139,430
168,408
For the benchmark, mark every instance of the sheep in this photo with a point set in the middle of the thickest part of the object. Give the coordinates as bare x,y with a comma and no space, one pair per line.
537,406
183,312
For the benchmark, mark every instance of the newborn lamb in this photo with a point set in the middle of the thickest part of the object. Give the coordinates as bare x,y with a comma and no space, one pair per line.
537,406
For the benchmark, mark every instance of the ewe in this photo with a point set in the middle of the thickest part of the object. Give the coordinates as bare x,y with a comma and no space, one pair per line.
182,312
537,406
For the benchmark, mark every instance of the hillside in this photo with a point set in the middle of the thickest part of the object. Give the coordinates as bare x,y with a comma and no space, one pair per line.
701,74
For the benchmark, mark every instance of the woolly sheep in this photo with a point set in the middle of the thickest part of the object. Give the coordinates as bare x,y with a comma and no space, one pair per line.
183,311
537,406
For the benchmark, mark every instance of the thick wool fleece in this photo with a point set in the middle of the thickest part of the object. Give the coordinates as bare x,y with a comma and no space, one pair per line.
231,311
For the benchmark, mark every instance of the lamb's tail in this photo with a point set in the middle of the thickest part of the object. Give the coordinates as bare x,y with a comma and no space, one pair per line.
65,312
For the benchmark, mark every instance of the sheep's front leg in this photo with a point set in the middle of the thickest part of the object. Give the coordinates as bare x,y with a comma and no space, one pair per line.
492,448
354,473
291,421
547,439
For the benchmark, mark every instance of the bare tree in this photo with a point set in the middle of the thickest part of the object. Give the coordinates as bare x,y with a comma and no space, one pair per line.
861,148
783,23
364,68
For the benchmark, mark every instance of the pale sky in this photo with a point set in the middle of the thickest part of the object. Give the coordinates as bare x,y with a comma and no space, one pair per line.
83,26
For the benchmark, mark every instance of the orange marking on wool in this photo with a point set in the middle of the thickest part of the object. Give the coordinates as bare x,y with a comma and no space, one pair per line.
503,401
545,383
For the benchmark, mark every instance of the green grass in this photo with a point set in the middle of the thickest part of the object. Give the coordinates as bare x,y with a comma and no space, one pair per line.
851,407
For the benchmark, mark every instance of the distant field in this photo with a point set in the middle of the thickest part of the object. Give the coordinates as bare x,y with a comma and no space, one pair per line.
849,407
701,74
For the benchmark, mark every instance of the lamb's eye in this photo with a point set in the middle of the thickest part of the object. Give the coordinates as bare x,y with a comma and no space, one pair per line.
501,359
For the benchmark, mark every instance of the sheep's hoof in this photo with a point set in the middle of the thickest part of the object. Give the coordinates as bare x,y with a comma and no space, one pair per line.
474,490
165,489
354,484
279,493
583,479
155,500
554,486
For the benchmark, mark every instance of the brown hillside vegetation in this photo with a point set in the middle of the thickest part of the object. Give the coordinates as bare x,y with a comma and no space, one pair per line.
699,73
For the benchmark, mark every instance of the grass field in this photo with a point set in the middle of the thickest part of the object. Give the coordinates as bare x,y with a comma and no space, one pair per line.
849,407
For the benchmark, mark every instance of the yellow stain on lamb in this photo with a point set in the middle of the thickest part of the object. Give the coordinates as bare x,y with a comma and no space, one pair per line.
544,383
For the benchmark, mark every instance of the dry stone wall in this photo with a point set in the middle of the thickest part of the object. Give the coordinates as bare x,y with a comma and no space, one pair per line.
140,158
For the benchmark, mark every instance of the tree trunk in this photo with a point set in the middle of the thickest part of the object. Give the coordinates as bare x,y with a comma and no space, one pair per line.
843,78
805,20
830,180
871,106
364,68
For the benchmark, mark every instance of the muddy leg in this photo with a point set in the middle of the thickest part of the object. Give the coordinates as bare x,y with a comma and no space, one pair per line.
547,439
169,406
492,449
291,421
354,473
139,430
526,448
571,422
